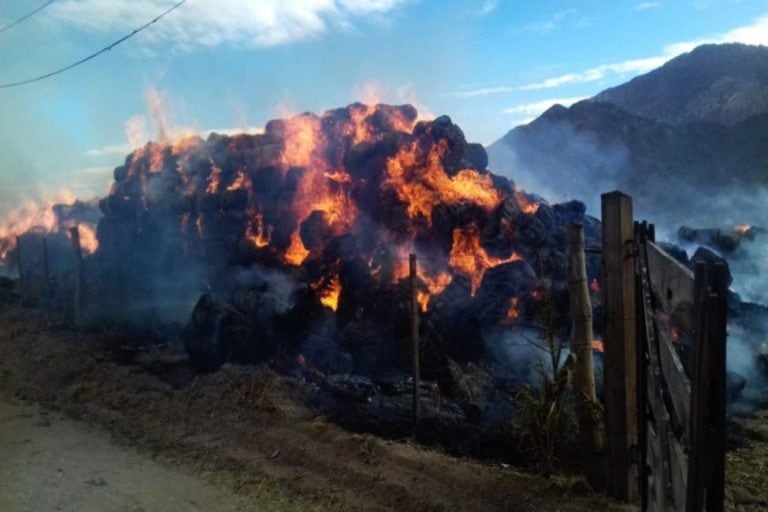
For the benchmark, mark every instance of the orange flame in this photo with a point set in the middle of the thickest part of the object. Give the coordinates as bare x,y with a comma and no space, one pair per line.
742,229
257,234
597,346
470,258
421,182
41,217
296,253
594,286
512,312
526,206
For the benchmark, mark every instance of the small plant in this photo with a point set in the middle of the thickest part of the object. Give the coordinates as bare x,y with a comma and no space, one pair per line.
546,423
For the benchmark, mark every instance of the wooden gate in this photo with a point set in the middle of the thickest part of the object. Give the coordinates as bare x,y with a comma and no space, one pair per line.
675,437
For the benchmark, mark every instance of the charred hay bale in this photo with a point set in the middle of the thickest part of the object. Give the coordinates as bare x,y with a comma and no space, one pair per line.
213,330
475,157
357,292
265,180
569,212
387,118
676,252
550,263
443,129
315,230
321,351
530,233
367,160
704,255
372,349
8,291
500,284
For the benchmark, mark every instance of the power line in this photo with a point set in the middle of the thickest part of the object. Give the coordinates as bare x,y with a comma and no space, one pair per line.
14,23
93,55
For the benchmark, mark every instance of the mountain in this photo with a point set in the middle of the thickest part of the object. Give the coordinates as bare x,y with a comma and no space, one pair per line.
713,83
689,138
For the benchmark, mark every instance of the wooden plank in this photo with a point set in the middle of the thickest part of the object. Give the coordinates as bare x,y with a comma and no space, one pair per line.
678,384
677,469
656,485
620,356
672,284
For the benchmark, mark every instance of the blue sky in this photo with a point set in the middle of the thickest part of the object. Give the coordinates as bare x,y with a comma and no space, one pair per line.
234,64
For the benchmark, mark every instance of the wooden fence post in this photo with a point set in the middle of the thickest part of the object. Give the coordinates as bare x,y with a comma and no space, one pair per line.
581,311
79,276
414,338
620,356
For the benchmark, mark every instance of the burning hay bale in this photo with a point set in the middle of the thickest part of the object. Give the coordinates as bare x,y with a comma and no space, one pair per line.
333,204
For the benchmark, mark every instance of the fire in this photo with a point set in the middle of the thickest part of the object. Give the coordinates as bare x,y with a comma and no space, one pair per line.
302,138
214,179
330,292
41,217
743,229
470,258
422,298
597,346
296,253
525,205
241,181
594,286
674,334
512,312
88,241
421,182
257,234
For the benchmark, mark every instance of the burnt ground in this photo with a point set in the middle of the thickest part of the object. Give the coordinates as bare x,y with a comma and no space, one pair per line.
243,429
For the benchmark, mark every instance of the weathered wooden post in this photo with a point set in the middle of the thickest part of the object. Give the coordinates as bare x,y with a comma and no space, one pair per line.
620,356
581,345
79,276
20,264
706,466
414,338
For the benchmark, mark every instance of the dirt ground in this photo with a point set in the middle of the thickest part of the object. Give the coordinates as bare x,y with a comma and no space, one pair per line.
54,463
239,430
87,424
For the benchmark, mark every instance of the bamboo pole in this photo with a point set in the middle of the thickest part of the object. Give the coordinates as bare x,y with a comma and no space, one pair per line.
581,345
414,338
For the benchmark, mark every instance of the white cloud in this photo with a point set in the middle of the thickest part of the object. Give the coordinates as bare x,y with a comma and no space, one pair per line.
197,23
532,110
644,6
484,91
487,8
756,33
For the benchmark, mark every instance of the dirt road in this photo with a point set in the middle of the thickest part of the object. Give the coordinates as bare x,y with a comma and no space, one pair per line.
51,463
